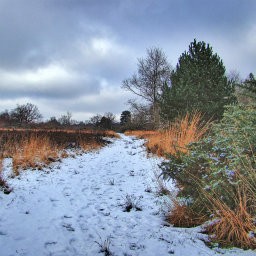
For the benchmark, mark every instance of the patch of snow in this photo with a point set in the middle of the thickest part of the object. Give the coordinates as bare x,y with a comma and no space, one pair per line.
73,207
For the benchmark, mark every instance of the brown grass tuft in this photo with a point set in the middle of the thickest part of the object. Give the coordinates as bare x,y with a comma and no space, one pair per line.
181,215
89,146
175,139
236,227
112,134
34,152
233,227
35,148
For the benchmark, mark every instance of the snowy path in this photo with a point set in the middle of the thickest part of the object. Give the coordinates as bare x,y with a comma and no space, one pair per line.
65,209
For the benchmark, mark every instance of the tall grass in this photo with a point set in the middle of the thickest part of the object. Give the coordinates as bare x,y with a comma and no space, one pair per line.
34,152
37,148
236,225
233,227
176,137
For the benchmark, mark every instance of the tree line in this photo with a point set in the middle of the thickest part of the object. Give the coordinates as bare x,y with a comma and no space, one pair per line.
198,83
28,116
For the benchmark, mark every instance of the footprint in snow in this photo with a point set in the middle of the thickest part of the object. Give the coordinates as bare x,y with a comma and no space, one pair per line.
66,216
54,200
49,244
68,227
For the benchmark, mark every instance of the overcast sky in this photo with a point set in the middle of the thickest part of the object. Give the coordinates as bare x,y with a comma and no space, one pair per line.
72,55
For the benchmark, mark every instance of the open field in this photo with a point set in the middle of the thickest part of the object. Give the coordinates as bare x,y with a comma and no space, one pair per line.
35,148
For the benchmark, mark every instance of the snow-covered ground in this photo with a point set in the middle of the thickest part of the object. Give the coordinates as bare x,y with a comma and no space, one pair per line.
73,207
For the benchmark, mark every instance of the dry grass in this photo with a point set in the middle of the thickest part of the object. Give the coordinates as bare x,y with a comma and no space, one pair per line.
230,226
37,148
181,215
175,139
34,152
141,134
233,227
112,134
236,227
89,146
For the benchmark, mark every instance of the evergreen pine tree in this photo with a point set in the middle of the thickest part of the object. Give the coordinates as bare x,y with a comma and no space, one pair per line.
198,83
250,86
125,117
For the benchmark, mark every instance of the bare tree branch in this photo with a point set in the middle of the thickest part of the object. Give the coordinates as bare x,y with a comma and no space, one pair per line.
153,72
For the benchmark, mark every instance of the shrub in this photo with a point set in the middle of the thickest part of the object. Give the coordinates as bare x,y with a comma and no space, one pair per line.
217,177
131,202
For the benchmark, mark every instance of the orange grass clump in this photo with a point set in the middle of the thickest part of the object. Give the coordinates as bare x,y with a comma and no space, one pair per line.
89,146
181,215
236,227
37,147
141,134
233,227
175,139
112,134
34,152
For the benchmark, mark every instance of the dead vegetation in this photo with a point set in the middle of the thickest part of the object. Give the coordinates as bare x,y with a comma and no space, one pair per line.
33,148
175,139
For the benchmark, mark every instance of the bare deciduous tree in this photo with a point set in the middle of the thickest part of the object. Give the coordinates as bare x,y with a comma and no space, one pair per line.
66,120
110,116
153,72
95,120
25,114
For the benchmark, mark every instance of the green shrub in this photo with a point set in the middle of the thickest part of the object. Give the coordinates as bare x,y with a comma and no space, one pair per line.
217,166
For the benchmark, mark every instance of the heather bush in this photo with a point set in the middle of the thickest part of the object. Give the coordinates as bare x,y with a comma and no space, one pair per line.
217,175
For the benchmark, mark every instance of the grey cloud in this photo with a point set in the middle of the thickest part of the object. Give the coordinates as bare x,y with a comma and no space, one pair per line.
97,41
33,34
63,91
84,107
47,85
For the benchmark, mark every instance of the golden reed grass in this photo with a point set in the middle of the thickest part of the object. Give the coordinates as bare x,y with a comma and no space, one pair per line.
234,227
34,148
175,139
182,216
34,152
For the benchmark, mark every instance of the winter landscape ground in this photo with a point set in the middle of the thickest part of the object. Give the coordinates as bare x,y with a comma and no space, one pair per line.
102,202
